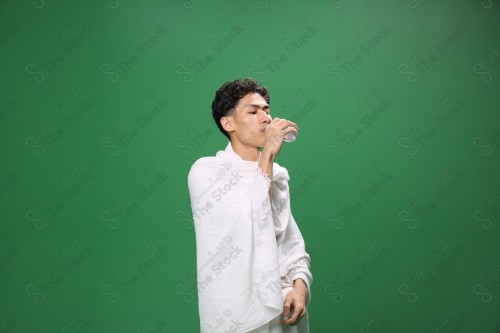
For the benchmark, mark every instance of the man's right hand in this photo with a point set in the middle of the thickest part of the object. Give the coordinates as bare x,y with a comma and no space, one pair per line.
275,133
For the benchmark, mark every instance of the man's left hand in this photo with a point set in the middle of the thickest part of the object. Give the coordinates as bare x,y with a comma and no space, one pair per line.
296,299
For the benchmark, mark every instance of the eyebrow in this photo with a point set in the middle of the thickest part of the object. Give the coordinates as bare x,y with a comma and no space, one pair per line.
265,106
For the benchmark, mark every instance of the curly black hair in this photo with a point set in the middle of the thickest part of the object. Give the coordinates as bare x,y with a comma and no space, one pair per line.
229,94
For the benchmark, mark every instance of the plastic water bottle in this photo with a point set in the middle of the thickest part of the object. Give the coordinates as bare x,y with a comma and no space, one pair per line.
289,137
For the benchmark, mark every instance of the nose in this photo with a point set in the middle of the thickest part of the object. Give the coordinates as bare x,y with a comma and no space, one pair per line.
266,118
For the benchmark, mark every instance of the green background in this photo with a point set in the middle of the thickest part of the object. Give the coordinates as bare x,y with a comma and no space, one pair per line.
105,105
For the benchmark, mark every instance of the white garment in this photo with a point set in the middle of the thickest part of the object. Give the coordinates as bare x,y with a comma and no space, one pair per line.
249,249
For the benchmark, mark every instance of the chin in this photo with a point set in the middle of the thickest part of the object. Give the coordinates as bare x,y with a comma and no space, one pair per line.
256,141
258,144
261,143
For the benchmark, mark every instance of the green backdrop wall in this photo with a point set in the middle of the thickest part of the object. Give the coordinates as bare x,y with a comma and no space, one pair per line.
105,105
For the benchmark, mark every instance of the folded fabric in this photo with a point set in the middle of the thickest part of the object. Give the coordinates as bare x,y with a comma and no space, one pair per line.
249,249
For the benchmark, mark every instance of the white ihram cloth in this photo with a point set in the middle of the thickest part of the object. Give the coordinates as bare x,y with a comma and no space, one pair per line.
249,248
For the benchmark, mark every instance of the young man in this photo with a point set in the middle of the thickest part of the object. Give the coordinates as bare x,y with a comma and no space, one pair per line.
252,269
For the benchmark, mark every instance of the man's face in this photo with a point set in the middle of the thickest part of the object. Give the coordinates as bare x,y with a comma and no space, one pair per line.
247,123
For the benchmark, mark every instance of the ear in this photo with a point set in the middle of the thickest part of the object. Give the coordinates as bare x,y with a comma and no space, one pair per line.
226,124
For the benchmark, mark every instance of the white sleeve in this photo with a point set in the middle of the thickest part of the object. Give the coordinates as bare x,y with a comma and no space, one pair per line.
294,260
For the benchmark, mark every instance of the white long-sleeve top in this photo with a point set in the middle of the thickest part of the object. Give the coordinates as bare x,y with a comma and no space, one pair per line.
249,248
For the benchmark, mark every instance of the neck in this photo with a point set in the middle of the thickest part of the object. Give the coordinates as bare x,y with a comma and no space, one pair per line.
247,153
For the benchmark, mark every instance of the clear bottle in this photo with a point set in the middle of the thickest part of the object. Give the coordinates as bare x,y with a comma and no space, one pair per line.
290,137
